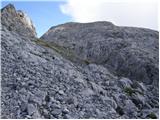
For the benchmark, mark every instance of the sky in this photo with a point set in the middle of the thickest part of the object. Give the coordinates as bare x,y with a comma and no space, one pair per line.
45,14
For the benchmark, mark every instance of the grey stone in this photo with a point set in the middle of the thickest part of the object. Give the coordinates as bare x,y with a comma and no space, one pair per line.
56,112
28,117
125,82
31,109
55,106
130,109
24,107
142,86
39,96
111,102
139,99
61,92
66,116
65,111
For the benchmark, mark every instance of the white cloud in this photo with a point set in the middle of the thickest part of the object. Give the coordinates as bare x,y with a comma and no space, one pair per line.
122,13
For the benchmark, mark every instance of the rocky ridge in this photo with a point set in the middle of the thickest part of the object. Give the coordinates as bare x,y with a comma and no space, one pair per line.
126,51
39,81
17,21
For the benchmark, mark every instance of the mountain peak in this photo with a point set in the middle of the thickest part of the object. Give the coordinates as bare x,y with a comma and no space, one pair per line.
17,21
8,9
9,6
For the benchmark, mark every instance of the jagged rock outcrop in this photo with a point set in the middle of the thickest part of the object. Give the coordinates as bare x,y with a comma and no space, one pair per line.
17,21
126,51
39,82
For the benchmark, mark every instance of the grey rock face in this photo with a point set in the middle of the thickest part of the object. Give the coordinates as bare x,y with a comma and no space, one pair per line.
126,51
17,21
38,82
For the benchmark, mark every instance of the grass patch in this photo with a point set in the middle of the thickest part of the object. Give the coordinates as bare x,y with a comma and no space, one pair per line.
152,116
129,91
87,62
65,52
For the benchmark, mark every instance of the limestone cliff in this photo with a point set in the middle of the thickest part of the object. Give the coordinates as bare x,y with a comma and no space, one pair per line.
17,21
126,51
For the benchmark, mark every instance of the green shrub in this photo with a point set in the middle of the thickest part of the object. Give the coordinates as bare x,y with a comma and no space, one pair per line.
129,91
66,52
87,62
152,116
